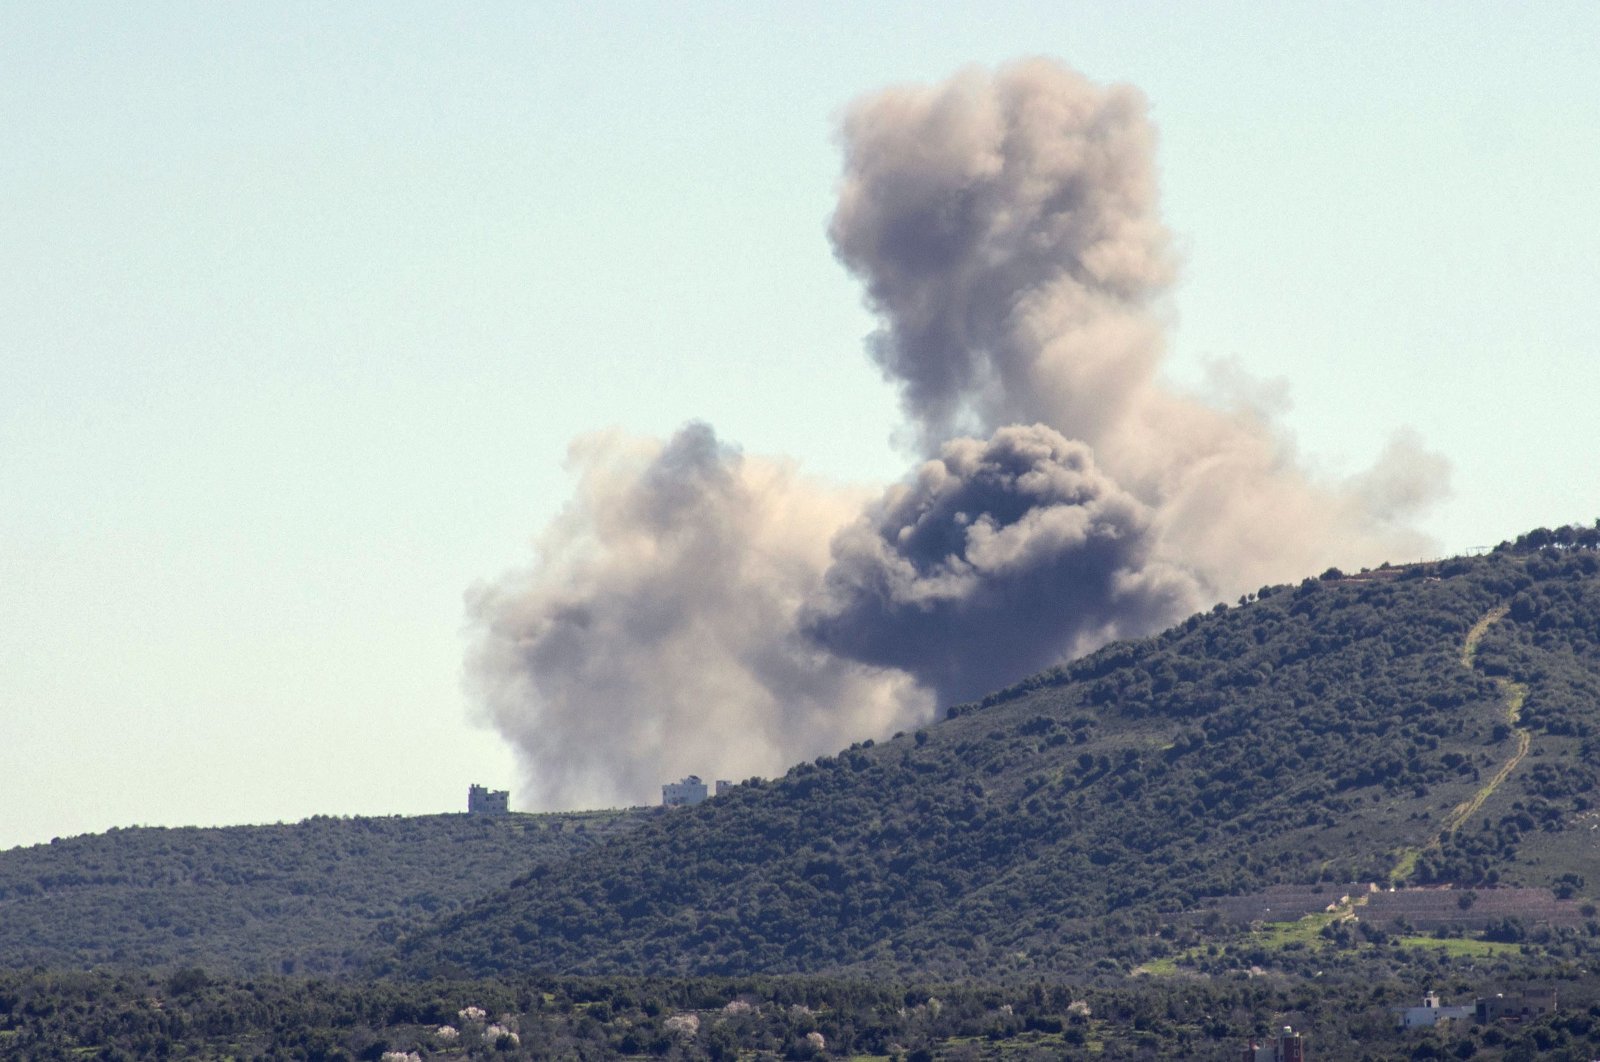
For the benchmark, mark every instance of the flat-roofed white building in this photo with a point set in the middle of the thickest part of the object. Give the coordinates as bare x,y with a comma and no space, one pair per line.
1432,1012
684,793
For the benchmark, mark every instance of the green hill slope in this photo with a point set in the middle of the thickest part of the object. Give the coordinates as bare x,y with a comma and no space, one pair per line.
309,897
1337,731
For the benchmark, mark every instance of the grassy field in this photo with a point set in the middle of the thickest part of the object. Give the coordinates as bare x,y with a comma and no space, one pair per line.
1461,946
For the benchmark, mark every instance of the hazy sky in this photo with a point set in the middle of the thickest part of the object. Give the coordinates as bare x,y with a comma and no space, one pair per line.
301,308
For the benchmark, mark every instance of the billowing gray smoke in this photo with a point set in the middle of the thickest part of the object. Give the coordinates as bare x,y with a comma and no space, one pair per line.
1006,229
695,609
657,634
992,562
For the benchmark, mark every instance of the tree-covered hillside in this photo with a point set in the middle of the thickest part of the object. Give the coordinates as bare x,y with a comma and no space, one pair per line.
310,896
1428,724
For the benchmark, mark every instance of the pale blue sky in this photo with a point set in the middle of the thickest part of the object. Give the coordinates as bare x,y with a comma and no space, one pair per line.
300,308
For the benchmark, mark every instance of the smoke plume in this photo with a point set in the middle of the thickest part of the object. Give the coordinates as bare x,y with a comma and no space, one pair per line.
657,634
1005,228
993,561
696,609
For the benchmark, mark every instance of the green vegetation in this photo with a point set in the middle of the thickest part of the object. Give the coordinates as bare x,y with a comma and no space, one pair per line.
314,897
1461,945
1082,819
1218,809
1344,1014
1513,695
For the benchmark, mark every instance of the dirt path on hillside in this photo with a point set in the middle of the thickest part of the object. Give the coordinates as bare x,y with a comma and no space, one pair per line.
1307,931
1512,695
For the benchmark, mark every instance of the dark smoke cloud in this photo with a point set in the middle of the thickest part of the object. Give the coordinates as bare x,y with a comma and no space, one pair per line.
695,609
993,561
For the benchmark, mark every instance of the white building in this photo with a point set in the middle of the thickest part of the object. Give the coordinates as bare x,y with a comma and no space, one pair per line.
685,793
1430,1013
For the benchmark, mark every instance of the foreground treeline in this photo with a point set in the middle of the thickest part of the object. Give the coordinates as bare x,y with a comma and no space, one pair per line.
188,1014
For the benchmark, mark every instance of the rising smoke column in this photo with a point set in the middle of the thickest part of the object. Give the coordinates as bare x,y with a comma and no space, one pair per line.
1006,229
695,609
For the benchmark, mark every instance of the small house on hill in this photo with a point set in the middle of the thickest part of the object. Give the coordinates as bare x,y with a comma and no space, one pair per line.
1287,1046
1430,1013
1530,1003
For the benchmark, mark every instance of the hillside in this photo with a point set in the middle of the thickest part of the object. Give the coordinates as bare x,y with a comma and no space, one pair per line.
309,897
1426,725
